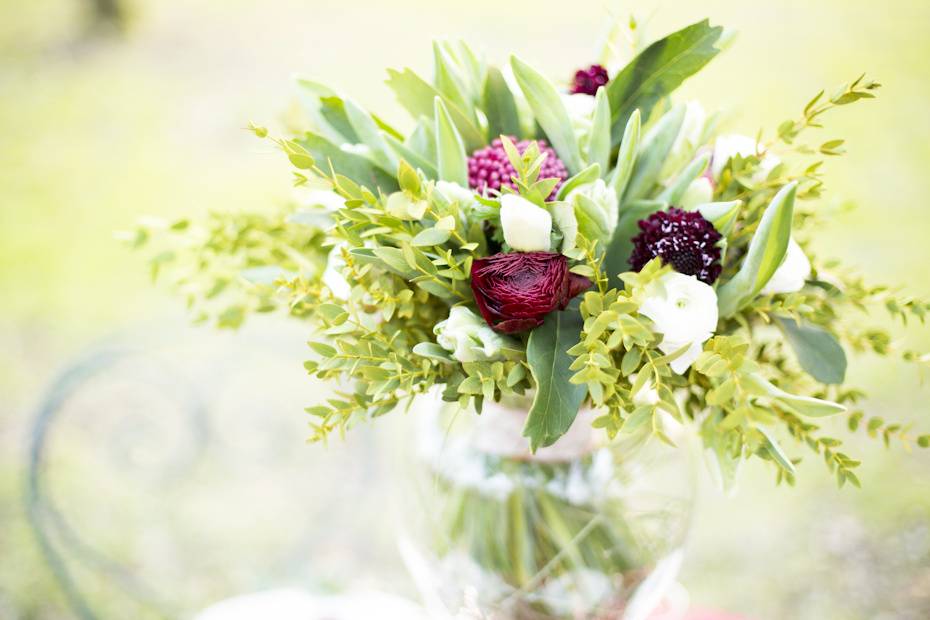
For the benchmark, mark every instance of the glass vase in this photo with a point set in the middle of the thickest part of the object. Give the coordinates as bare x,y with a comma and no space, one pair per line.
584,529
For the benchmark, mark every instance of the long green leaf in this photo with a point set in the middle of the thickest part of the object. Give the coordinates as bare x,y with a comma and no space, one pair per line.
557,400
653,153
355,167
776,451
499,106
416,95
805,406
412,157
673,193
448,80
599,140
550,113
818,351
766,252
452,162
658,70
626,158
588,175
370,134
721,214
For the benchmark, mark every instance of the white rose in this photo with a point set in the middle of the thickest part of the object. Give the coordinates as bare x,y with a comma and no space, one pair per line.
684,311
526,226
791,274
728,146
700,191
596,209
467,336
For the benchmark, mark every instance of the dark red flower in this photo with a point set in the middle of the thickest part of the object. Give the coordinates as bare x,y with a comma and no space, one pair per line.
490,168
683,239
516,291
587,81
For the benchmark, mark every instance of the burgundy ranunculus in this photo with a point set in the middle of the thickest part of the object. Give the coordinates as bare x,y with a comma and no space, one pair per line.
516,291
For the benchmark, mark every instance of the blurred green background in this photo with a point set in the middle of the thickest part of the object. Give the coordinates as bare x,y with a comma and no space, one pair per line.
104,120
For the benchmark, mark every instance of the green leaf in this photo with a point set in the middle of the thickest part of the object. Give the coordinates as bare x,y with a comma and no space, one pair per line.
673,193
412,157
370,134
775,450
721,214
433,351
599,140
626,158
805,406
766,252
499,106
550,113
355,167
589,174
430,236
557,400
448,80
653,154
450,152
658,70
417,96
818,351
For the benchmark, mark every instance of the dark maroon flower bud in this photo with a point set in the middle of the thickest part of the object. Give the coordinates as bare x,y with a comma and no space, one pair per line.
683,239
516,291
490,167
587,81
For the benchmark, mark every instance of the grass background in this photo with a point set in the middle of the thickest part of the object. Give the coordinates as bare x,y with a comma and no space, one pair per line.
99,128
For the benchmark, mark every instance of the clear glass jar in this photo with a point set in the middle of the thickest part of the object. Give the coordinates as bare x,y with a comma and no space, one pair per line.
583,529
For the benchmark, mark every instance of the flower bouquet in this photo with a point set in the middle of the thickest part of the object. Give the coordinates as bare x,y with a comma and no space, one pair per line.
578,267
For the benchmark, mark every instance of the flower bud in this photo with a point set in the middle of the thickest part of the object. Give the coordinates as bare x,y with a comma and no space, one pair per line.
526,226
596,209
468,337
791,274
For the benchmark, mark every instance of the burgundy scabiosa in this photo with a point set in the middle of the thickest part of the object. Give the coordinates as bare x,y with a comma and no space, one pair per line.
683,239
489,167
515,291
587,81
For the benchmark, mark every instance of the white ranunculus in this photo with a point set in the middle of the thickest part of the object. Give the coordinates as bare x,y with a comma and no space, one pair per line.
526,226
453,192
791,274
596,209
700,191
468,337
684,311
728,146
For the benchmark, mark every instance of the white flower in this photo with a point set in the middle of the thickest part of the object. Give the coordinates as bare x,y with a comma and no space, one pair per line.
699,192
526,226
356,149
467,336
647,395
791,274
332,275
453,192
728,146
684,310
596,208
